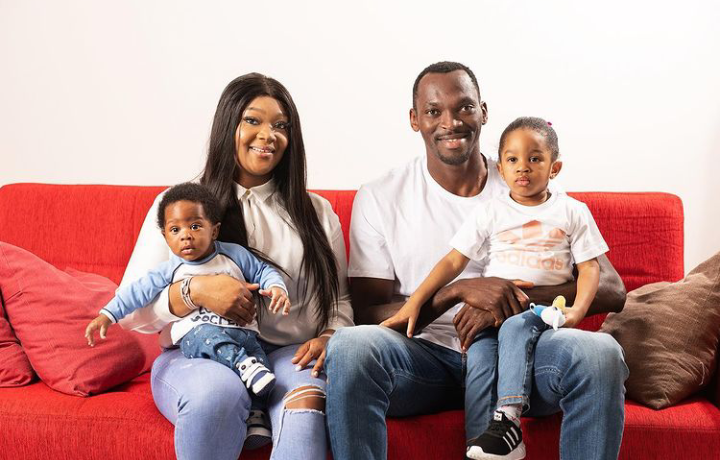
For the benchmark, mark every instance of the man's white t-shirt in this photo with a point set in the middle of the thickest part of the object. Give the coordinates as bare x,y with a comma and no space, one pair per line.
539,244
401,226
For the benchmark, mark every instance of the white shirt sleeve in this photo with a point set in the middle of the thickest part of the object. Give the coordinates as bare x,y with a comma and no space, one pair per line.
150,250
586,242
471,239
369,253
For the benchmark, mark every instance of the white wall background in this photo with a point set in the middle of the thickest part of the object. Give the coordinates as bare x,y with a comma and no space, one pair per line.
124,92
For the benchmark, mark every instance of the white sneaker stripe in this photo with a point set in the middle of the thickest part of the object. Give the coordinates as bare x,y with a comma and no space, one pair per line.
508,444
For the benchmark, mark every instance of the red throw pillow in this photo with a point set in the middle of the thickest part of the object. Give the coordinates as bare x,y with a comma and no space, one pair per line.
15,369
49,310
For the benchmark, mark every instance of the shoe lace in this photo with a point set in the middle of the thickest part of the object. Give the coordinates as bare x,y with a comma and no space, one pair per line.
497,429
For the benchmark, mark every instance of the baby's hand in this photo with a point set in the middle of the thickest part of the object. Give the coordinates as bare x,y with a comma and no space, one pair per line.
102,322
408,314
573,316
278,299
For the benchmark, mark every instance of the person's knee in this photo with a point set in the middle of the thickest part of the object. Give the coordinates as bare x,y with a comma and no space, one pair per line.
511,327
219,397
610,358
598,356
353,347
482,351
307,397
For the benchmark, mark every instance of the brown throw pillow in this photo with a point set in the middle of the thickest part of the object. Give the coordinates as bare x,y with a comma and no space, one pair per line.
670,332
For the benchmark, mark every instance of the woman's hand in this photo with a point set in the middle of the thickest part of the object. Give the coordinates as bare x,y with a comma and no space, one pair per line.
312,349
226,296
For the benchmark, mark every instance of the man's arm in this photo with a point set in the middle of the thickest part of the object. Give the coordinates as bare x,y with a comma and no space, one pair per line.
373,303
373,300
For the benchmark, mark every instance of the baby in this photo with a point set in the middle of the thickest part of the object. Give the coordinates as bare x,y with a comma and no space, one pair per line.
189,219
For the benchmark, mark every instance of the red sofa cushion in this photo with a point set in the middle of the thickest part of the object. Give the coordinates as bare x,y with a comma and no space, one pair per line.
49,310
122,423
37,420
15,368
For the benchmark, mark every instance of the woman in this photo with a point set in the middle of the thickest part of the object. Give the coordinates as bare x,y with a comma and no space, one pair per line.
256,168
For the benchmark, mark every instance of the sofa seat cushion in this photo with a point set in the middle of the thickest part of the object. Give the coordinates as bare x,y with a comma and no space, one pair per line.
693,424
123,423
648,433
41,423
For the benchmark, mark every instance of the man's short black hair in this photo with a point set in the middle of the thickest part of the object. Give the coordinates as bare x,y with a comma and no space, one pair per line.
196,193
444,67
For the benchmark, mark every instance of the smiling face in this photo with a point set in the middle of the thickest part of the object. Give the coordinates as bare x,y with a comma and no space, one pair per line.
188,233
261,139
449,115
526,166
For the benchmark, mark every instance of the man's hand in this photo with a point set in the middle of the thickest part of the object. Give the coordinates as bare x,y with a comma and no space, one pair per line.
488,302
226,296
500,297
469,322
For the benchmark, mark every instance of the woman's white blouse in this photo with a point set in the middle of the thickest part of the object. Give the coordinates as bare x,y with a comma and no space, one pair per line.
269,231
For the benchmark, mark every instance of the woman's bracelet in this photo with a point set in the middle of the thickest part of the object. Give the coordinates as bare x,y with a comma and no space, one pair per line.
185,293
326,334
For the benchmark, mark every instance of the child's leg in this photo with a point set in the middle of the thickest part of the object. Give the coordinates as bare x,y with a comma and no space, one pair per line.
516,344
516,351
236,348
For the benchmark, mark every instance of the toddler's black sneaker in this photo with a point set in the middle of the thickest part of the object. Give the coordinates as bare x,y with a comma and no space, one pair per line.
502,440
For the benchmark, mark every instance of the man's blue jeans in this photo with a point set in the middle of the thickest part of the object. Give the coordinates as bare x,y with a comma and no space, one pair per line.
374,372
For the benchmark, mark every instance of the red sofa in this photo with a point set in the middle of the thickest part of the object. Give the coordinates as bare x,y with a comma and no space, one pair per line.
37,422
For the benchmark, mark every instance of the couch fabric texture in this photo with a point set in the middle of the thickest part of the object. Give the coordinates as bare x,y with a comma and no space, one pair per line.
15,368
644,232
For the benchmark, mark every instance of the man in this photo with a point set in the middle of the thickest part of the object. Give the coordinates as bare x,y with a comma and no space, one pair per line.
401,226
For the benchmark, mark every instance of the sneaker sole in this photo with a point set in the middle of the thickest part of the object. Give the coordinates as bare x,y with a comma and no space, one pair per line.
476,453
256,441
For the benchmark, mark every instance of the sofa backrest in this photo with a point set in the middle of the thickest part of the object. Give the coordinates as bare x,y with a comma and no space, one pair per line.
94,227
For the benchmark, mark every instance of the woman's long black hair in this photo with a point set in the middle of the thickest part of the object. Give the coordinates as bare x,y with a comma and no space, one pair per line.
290,176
